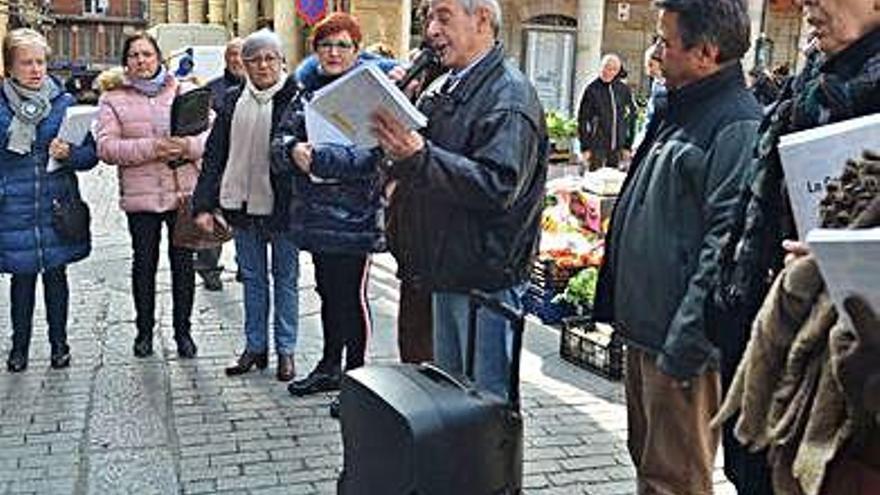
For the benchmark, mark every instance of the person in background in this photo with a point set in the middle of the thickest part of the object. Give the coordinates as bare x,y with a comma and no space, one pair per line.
839,81
472,184
32,107
605,114
337,209
236,176
207,263
657,90
133,128
675,208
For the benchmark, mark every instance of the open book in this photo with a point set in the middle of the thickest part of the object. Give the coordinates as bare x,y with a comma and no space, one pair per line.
74,128
340,112
811,158
849,260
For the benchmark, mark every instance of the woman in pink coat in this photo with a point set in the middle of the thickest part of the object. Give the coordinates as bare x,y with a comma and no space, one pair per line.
133,135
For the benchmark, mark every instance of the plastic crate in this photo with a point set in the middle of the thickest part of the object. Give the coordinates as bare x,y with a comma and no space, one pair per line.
546,282
597,349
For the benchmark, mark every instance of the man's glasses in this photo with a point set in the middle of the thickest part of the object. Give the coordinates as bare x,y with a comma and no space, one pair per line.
266,59
329,45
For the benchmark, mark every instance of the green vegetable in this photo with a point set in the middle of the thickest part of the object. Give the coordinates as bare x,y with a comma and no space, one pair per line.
560,128
581,289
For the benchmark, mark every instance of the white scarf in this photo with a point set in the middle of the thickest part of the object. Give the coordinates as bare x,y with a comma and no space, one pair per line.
246,184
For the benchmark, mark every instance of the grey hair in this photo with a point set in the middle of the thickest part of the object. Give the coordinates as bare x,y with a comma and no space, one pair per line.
20,38
260,40
471,6
723,23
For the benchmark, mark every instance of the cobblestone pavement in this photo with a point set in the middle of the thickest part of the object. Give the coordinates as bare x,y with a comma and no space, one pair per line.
115,424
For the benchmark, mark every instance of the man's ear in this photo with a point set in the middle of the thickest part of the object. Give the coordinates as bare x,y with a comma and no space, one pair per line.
484,19
708,55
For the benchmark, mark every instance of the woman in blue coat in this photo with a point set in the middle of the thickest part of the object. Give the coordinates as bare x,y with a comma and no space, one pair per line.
336,212
32,106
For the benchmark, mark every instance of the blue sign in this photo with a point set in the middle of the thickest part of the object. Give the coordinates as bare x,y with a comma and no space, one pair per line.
311,11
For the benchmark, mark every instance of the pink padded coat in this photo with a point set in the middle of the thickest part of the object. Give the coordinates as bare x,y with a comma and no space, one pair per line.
129,125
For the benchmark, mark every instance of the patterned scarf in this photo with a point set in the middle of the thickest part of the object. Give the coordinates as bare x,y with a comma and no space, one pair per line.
30,108
150,87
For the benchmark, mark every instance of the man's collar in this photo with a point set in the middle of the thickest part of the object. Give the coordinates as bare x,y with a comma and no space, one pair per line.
683,98
850,60
461,73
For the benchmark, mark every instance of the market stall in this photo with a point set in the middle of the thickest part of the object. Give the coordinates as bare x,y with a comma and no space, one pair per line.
577,212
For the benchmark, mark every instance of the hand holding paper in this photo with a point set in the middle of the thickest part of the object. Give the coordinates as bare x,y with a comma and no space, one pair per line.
342,112
76,125
396,140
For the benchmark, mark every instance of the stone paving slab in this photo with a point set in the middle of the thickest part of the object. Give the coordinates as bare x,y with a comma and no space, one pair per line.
115,424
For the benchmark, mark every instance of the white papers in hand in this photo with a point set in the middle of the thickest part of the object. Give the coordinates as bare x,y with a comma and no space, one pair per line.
76,125
811,158
340,112
849,260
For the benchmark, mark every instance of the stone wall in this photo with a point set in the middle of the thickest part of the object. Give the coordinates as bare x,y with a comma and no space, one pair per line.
386,21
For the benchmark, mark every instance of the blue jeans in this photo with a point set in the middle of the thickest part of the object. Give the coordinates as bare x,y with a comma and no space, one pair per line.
494,338
251,252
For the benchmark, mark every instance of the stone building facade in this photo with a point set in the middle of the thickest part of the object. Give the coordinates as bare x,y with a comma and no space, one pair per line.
559,43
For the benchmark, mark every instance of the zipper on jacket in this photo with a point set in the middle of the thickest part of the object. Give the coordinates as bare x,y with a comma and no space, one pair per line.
38,237
613,117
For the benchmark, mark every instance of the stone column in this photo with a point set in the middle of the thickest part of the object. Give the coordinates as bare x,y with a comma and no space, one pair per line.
591,22
267,10
158,11
176,11
288,26
247,17
4,19
195,11
217,11
756,9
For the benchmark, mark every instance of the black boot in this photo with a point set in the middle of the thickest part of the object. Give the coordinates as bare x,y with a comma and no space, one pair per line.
60,356
248,360
143,343
186,348
18,360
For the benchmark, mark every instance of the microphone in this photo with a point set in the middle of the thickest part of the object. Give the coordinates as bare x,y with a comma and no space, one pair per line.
424,60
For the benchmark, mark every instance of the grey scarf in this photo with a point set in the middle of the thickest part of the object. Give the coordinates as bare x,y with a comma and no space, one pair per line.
30,108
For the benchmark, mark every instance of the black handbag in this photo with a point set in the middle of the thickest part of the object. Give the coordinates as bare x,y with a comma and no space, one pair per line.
71,219
71,216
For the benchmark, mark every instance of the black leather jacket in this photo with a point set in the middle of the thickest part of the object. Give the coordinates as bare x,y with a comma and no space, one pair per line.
467,207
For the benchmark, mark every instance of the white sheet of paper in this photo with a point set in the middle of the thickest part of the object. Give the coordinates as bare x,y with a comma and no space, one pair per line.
811,158
76,125
849,261
320,131
348,104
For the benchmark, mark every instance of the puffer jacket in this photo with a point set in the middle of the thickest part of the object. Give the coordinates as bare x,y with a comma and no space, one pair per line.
467,207
206,196
29,242
675,206
129,125
340,207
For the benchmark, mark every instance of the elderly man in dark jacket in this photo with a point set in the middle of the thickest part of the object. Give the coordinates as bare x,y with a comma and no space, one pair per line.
472,185
661,255
605,115
207,260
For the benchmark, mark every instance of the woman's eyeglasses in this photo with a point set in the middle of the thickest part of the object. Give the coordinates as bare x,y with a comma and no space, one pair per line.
267,59
328,45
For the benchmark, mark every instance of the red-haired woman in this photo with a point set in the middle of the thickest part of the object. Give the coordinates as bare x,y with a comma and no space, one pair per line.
337,210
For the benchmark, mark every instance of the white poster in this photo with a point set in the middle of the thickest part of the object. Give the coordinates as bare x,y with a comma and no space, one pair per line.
550,67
